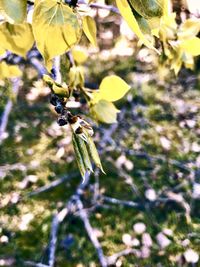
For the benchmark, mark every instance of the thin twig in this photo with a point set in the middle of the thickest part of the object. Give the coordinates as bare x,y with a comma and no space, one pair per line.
8,108
52,185
90,231
111,260
126,203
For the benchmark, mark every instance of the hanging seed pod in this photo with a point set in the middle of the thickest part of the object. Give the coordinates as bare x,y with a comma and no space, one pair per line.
148,8
84,153
93,152
79,158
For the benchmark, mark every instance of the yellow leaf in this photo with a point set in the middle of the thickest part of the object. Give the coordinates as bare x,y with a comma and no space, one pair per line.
127,14
17,38
9,71
76,77
60,90
2,51
90,30
190,28
191,46
112,88
105,111
56,28
79,55
15,10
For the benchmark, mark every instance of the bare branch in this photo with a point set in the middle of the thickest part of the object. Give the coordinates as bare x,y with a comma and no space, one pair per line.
111,260
8,108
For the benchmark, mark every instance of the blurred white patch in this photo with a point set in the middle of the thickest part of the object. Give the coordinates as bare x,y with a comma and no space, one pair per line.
126,30
165,143
25,220
103,13
150,194
145,252
191,123
60,153
191,256
196,190
139,228
168,231
195,147
126,239
4,239
129,241
162,240
98,233
185,242
147,240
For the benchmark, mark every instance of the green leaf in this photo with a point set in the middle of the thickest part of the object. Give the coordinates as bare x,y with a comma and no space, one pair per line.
90,30
105,111
17,38
112,88
148,8
15,10
56,28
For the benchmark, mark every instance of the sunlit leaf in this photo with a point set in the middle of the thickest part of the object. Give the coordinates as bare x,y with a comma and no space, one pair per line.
17,38
60,90
127,14
112,88
189,28
191,46
105,111
76,77
9,71
79,55
89,28
15,10
2,51
56,28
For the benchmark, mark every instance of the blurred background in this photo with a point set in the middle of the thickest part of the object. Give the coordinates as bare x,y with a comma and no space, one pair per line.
151,157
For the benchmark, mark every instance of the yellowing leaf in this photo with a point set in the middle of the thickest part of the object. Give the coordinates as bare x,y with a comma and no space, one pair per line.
17,38
60,90
76,77
191,46
15,10
127,14
90,30
105,111
56,28
9,71
2,51
112,88
189,28
79,55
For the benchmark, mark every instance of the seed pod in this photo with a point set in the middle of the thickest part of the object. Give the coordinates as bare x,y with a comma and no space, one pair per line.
94,153
79,158
84,153
148,8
